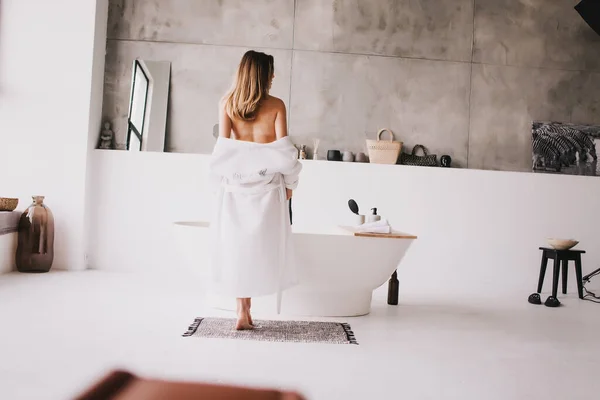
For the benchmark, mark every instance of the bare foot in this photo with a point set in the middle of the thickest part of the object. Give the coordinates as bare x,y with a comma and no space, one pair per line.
243,322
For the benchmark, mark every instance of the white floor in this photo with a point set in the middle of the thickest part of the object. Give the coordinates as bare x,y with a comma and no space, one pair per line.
61,331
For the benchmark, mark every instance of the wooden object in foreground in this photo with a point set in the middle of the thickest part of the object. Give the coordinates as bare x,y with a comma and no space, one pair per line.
122,385
391,235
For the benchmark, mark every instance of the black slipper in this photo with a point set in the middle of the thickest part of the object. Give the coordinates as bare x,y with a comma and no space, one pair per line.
552,301
534,299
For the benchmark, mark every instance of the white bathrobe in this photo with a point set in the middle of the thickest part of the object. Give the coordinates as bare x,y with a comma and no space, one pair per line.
251,232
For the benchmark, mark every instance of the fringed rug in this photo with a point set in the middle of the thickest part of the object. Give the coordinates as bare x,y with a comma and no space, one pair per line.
274,331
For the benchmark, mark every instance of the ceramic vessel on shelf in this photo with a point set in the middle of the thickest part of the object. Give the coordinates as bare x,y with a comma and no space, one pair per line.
446,161
562,244
361,157
35,248
334,155
348,156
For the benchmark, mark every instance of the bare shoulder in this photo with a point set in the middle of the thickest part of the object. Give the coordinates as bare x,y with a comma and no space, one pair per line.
275,103
280,117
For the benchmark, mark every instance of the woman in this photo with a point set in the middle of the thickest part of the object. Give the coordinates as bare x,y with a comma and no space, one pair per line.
254,169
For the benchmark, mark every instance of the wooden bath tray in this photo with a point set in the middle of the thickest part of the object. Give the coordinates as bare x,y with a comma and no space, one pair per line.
392,235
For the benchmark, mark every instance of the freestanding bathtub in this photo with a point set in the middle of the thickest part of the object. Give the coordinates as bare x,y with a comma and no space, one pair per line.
337,271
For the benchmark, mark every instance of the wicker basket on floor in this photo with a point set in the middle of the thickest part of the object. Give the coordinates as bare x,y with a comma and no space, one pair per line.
384,152
7,204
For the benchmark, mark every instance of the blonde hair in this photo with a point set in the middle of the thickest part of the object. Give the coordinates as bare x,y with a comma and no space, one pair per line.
251,85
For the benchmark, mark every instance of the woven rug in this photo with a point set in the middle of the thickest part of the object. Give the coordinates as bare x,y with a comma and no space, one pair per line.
274,331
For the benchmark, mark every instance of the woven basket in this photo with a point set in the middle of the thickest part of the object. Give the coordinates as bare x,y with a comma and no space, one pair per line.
384,152
7,204
426,160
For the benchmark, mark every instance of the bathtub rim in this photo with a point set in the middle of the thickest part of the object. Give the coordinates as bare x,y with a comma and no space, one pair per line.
327,231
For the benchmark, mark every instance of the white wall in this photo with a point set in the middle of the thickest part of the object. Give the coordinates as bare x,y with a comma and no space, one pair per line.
95,120
46,67
479,231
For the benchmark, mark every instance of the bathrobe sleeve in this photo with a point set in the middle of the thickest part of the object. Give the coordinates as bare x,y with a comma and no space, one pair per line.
214,174
291,176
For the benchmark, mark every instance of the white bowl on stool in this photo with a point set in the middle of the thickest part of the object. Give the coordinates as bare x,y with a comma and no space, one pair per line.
562,244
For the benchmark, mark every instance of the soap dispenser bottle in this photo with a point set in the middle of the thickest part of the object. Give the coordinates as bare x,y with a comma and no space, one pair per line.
373,217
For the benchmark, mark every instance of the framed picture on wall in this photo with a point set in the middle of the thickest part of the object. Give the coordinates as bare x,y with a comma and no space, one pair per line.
565,148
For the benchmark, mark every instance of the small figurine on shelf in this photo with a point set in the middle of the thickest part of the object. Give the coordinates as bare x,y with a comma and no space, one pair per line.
106,137
316,149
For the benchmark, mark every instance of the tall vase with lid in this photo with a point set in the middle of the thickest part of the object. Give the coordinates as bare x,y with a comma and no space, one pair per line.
35,249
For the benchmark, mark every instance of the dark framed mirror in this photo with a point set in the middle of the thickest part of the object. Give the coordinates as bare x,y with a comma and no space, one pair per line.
148,103
137,107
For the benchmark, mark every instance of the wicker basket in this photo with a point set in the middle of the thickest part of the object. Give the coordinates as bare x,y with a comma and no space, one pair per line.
426,160
384,152
7,204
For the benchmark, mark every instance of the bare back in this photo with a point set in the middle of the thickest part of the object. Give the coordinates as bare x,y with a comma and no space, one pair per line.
269,125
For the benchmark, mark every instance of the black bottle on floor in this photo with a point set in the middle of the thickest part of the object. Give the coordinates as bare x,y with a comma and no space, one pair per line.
393,288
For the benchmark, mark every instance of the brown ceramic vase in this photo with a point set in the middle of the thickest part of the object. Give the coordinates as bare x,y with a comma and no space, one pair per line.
35,249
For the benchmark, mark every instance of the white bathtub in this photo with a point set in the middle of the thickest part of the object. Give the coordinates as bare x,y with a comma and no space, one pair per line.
337,271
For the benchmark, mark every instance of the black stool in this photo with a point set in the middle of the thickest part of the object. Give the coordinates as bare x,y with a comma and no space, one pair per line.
561,256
